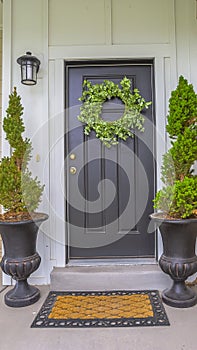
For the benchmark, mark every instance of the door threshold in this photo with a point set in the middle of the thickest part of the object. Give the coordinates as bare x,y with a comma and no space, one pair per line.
108,262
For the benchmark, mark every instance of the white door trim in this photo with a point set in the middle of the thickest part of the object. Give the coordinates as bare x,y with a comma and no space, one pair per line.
163,83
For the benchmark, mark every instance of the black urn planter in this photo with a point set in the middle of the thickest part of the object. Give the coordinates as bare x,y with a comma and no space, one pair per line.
21,259
178,260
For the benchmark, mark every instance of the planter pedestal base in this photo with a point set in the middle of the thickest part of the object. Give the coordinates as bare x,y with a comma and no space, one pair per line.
22,295
179,295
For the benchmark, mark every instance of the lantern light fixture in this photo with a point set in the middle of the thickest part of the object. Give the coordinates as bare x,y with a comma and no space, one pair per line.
29,68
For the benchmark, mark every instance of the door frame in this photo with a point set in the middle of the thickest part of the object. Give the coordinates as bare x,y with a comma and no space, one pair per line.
97,64
165,78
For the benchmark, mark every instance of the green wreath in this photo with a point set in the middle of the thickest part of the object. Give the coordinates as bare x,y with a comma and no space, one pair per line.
94,96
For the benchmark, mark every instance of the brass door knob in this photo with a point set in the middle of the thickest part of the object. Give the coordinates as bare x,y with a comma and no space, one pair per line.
73,170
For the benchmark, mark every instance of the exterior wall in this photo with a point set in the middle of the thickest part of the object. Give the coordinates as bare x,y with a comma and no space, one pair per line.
0,95
0,108
56,30
186,33
24,30
1,35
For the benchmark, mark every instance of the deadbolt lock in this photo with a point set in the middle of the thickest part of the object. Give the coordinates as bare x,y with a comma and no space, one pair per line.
73,170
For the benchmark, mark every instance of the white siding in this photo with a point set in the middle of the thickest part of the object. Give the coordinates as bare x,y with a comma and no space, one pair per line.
77,22
141,22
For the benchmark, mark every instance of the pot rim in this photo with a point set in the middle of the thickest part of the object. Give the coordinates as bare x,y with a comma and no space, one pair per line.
23,222
157,217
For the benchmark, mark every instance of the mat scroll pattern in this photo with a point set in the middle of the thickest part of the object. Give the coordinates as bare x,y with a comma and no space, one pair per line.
102,309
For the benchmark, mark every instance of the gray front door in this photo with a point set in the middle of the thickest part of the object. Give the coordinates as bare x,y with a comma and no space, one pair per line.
109,198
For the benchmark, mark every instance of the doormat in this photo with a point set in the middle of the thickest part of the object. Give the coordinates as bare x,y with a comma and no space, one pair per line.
101,309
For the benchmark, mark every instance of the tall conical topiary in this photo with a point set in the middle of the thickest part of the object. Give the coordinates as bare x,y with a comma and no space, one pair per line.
178,197
19,191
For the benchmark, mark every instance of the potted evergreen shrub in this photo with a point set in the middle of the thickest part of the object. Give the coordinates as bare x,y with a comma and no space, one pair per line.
177,200
20,195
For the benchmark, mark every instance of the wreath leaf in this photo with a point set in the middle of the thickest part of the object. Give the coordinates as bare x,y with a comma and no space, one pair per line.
93,98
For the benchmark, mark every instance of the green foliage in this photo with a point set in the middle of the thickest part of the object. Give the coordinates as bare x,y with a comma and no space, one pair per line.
178,197
19,192
182,109
179,200
94,96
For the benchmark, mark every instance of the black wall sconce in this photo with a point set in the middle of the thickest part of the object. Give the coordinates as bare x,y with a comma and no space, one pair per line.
29,68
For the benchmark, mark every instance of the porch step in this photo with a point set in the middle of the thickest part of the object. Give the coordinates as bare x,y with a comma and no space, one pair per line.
92,278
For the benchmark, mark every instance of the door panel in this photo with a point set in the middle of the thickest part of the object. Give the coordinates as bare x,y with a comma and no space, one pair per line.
110,197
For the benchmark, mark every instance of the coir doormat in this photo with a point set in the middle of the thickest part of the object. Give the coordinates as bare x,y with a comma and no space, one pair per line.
102,309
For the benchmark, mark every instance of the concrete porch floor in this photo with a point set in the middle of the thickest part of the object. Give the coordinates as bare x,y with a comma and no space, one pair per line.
17,334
